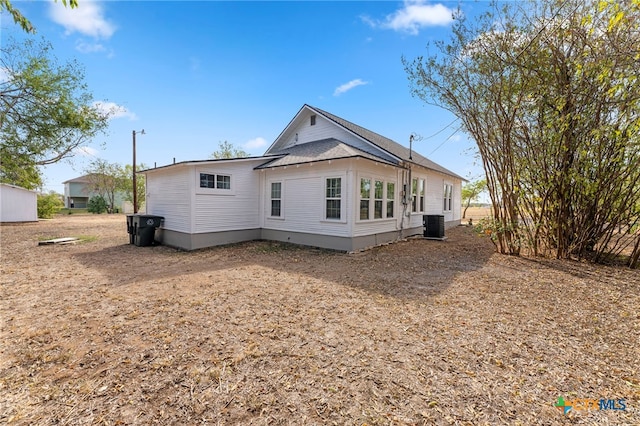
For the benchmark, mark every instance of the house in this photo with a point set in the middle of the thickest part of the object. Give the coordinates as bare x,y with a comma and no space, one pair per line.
18,204
324,182
78,192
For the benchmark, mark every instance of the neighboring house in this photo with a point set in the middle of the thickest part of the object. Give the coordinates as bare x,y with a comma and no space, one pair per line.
324,182
18,204
78,192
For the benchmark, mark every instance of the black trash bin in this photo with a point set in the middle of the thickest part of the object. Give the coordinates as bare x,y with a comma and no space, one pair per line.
142,228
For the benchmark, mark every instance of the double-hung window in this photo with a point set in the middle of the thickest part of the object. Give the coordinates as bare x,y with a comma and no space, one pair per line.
417,195
333,197
447,198
365,197
276,199
378,200
391,194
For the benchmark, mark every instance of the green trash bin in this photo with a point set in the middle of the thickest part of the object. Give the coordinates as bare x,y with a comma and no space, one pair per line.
142,228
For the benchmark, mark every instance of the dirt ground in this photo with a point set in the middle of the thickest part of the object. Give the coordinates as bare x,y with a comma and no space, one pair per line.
415,332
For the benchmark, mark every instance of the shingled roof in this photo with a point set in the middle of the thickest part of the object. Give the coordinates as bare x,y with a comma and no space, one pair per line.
384,143
322,150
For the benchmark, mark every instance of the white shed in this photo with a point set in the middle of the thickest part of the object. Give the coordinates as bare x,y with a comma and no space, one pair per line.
18,204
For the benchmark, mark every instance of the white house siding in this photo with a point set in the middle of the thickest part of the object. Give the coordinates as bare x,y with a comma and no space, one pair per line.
169,194
325,129
17,204
237,209
303,198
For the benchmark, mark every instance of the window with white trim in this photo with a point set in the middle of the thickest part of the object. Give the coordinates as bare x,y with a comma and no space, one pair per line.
333,198
276,199
417,195
376,199
215,181
378,193
447,203
365,197
391,195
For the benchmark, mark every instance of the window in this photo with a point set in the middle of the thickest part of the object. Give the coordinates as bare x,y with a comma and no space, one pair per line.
365,196
276,199
417,195
447,198
313,120
378,201
207,180
333,198
391,189
223,182
212,181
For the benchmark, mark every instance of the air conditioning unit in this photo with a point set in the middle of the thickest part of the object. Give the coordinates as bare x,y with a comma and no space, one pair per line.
433,225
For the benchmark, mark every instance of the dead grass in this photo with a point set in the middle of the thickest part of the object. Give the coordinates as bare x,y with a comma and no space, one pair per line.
417,332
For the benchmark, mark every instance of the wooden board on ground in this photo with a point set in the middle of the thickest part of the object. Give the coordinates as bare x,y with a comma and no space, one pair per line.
65,240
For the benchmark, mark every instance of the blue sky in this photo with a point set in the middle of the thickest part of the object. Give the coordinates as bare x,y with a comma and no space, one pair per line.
192,74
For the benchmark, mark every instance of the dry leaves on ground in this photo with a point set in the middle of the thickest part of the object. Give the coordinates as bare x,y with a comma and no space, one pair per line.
416,332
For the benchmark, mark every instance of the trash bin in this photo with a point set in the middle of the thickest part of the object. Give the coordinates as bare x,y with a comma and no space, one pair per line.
142,228
433,225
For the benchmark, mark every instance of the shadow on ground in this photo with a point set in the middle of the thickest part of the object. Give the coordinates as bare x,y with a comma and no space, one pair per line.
410,268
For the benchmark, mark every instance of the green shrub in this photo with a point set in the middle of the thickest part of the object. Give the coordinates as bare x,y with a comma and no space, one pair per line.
49,204
97,204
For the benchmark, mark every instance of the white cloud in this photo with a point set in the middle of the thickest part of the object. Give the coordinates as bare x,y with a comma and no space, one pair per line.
255,143
84,47
114,110
414,15
348,86
88,19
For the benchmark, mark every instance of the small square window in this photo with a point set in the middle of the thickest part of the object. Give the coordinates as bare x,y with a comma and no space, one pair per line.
207,180
223,182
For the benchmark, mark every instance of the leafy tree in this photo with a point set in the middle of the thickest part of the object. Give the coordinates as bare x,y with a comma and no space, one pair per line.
20,19
227,150
106,179
127,184
46,111
49,204
470,192
97,204
550,92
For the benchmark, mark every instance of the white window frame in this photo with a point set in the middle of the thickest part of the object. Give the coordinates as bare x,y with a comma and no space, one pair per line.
367,199
380,200
372,197
447,197
388,200
418,198
271,199
215,190
342,217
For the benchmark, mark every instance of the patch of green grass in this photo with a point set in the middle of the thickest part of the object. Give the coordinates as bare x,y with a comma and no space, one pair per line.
87,238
